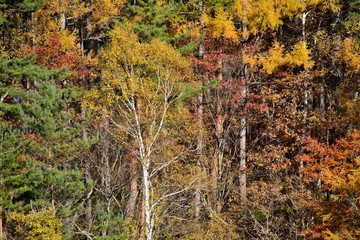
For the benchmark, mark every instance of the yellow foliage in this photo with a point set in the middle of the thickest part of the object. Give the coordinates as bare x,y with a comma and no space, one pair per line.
300,56
241,9
103,10
133,69
221,26
348,184
290,8
332,236
34,225
261,15
350,55
73,8
331,5
162,56
252,61
265,15
183,28
67,41
274,58
216,228
344,234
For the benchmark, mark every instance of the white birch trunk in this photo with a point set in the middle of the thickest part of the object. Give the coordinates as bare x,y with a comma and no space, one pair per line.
242,176
242,147
62,21
306,97
148,216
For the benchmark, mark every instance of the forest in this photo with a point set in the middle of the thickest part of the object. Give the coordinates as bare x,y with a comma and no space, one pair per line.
179,119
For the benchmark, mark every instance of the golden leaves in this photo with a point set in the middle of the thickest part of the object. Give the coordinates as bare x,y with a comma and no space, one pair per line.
145,71
221,25
350,55
262,15
35,225
300,56
103,10
331,5
276,57
161,55
67,41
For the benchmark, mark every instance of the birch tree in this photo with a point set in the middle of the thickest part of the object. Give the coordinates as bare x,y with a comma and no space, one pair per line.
141,85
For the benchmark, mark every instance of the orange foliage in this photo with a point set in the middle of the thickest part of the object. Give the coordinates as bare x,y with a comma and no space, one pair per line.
338,167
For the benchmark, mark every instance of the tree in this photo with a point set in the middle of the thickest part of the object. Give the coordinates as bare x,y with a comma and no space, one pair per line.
338,165
141,85
35,225
39,119
152,19
271,105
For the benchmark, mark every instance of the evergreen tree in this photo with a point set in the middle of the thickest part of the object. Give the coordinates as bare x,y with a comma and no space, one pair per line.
40,133
24,6
152,18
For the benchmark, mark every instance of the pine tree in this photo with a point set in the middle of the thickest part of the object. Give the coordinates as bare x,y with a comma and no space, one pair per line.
41,133
151,19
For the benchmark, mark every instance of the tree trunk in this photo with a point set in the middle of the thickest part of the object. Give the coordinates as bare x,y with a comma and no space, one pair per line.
33,24
242,147
306,97
62,21
1,224
149,222
318,182
322,101
133,184
142,215
200,146
219,129
88,210
200,137
242,176
88,182
105,175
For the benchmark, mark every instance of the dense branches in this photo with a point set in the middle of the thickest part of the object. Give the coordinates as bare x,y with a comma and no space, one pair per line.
155,119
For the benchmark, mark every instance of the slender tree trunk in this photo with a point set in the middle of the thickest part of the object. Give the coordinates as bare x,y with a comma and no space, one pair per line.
322,101
214,163
242,176
1,224
242,147
88,209
88,182
200,146
62,21
105,174
306,96
142,215
81,35
318,182
147,207
133,184
219,129
33,24
145,161
200,137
